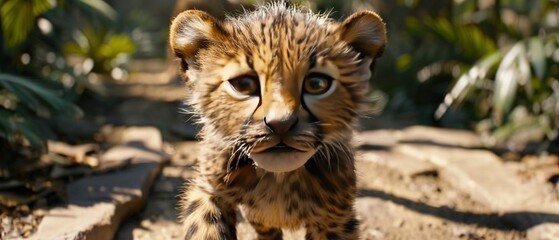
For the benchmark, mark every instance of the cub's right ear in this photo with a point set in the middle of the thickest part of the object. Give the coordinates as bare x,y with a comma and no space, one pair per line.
365,32
191,31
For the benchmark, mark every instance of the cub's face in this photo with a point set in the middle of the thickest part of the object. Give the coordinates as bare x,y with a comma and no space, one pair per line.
279,85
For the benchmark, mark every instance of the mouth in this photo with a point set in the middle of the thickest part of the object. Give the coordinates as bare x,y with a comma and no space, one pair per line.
281,158
281,148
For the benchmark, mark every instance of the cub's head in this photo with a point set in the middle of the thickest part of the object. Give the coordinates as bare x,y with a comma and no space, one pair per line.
277,84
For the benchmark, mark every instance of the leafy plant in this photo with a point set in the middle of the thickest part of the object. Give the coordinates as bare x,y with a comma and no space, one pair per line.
37,82
16,21
101,46
514,79
502,56
25,102
99,40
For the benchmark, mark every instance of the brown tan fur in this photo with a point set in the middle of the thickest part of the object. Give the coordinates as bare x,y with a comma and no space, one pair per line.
280,46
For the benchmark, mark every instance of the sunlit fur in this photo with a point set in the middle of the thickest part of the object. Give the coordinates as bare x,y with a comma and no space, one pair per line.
279,46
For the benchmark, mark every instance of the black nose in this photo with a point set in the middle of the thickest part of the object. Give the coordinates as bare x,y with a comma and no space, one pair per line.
281,126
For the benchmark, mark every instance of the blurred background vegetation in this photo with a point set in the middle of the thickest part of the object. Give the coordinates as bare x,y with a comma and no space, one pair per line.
53,54
487,65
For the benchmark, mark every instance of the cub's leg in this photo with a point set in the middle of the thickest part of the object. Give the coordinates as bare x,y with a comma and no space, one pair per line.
207,216
266,233
339,228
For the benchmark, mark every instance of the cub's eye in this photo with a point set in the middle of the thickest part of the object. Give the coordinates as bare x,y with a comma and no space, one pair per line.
317,83
245,85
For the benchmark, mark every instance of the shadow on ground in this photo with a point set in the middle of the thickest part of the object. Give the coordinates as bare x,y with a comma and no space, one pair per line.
509,221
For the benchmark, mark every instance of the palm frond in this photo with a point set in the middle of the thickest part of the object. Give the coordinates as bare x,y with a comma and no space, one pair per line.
41,100
467,83
18,18
513,71
8,124
96,9
537,57
467,41
14,128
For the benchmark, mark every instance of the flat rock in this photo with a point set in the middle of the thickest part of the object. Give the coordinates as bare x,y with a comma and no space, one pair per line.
383,216
482,174
460,159
379,139
408,166
142,137
525,206
442,137
98,204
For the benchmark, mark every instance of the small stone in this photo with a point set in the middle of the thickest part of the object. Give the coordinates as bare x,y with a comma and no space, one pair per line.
375,233
459,231
399,223
23,208
68,154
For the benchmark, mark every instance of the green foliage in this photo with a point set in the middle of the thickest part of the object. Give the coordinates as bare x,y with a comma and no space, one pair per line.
13,127
39,99
467,42
101,46
99,40
26,102
18,18
37,82
96,9
502,56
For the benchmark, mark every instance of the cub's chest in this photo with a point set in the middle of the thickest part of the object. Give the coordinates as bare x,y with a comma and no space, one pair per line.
282,201
285,200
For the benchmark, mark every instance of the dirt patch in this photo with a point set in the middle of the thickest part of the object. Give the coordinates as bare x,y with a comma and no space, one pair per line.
425,206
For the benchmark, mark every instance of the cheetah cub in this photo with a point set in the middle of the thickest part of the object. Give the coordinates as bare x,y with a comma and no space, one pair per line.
277,91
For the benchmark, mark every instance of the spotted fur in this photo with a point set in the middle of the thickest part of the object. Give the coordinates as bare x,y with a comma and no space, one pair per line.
280,46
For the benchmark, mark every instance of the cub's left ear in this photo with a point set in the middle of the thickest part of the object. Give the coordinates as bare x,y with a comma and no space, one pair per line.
365,32
191,31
